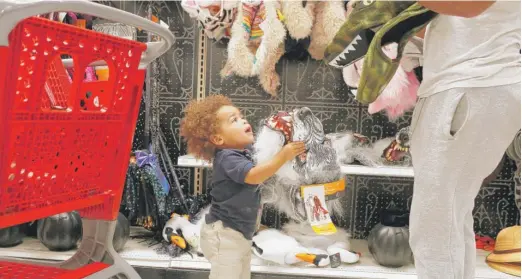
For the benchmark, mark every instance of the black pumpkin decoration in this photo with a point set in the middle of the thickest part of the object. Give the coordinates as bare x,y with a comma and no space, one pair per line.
31,229
11,236
60,232
121,233
388,241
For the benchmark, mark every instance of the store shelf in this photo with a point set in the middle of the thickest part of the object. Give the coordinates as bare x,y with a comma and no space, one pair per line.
139,254
136,252
190,161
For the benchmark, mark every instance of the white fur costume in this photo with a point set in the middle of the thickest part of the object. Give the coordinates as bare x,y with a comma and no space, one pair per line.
282,191
249,57
256,56
349,149
318,19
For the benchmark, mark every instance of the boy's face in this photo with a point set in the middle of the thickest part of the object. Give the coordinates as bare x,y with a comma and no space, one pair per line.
234,130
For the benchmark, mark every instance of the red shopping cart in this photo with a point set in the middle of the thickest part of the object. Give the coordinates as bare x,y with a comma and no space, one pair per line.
65,145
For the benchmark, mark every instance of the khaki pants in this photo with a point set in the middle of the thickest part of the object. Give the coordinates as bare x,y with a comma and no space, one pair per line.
227,250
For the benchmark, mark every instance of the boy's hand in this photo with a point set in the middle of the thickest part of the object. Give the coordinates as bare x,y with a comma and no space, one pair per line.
261,172
291,150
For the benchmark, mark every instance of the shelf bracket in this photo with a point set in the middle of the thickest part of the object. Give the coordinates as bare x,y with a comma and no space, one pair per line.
201,88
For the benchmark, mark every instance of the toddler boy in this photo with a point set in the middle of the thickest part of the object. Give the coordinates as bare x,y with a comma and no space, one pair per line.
216,131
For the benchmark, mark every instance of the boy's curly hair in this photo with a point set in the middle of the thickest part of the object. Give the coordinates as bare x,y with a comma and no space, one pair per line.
200,122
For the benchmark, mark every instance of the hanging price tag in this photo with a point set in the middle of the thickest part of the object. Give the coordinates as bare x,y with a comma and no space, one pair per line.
316,210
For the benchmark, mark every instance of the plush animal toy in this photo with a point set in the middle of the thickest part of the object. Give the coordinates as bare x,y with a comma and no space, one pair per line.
318,20
318,166
214,16
256,43
283,249
321,244
184,232
351,147
257,30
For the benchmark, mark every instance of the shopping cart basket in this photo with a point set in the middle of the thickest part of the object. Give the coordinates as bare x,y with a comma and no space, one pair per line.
70,153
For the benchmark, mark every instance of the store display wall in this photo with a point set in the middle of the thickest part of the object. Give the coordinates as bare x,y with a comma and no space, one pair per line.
304,83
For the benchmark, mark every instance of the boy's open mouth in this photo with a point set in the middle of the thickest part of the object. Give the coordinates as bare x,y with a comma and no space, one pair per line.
248,129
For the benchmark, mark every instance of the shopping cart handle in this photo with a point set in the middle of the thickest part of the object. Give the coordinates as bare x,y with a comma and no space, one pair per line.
13,11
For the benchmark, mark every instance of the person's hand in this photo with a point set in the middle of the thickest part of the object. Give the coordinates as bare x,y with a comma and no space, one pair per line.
292,149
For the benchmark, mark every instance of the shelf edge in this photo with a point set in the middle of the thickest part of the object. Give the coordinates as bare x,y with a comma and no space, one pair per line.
189,161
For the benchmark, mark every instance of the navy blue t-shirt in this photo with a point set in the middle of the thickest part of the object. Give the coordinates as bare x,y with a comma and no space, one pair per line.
234,202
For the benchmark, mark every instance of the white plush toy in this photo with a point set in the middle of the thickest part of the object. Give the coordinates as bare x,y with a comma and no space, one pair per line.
185,233
282,249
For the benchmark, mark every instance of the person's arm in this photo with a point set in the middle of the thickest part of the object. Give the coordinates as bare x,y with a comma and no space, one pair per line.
263,171
462,8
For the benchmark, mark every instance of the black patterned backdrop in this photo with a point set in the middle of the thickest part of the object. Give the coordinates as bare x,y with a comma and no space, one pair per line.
304,83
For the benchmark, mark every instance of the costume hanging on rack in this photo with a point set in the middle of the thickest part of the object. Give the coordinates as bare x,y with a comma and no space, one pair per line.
145,193
215,17
260,33
396,21
378,68
329,17
351,42
400,94
312,24
256,43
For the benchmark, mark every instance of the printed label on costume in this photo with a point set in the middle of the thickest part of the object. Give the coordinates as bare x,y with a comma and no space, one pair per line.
316,210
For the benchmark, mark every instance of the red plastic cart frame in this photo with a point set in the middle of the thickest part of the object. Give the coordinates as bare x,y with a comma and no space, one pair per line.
71,156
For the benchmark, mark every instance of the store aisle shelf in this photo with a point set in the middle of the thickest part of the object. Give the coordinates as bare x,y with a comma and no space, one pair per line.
190,161
138,253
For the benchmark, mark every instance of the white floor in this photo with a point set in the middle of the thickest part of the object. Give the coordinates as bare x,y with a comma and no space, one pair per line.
140,254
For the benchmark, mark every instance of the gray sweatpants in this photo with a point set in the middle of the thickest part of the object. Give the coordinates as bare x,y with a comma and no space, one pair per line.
458,138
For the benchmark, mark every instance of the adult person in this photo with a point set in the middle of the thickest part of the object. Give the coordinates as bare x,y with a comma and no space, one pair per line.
467,115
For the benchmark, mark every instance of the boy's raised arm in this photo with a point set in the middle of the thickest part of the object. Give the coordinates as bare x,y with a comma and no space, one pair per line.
263,171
